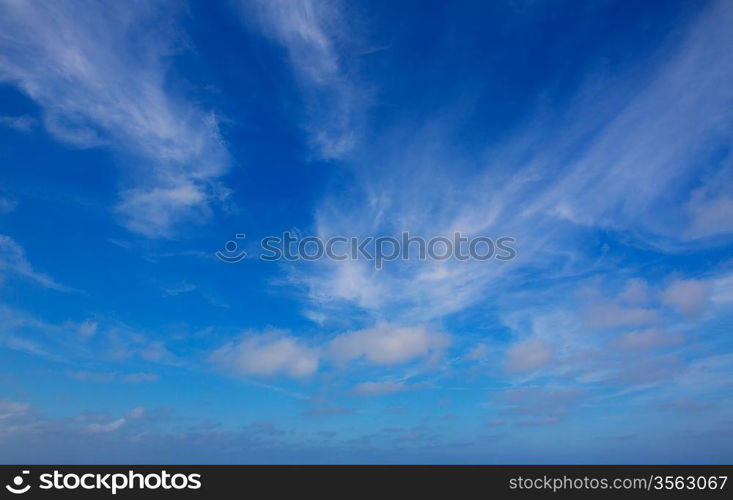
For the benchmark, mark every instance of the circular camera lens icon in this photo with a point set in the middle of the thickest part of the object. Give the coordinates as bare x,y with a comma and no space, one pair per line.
18,488
230,253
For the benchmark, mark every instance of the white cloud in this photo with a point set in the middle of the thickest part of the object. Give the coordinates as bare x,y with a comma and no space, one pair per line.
100,74
87,328
22,123
689,297
387,344
477,352
624,179
108,427
276,352
540,405
178,290
14,261
157,352
134,414
86,376
611,315
379,388
646,339
636,292
711,216
722,290
136,378
417,179
710,205
64,342
313,33
103,377
527,355
349,280
268,354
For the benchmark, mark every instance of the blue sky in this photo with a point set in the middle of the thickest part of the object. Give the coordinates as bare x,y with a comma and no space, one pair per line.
136,138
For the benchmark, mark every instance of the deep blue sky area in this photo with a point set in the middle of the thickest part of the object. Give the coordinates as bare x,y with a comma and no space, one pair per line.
138,138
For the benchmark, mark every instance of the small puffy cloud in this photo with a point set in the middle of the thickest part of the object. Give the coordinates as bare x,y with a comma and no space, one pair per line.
348,280
87,328
686,405
387,345
689,297
646,339
649,369
108,427
636,292
313,35
269,354
527,355
379,388
611,315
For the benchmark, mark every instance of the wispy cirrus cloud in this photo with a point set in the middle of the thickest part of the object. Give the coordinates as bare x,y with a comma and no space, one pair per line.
21,123
101,76
13,261
115,425
380,388
104,377
625,180
74,342
605,172
556,341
